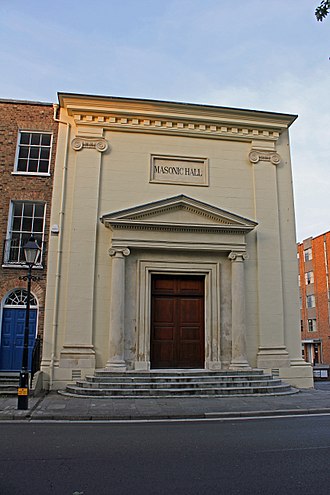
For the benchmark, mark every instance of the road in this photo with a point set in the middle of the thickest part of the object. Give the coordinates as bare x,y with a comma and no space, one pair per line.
259,456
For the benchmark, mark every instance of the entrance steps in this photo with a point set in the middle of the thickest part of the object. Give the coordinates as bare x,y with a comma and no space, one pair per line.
8,383
178,383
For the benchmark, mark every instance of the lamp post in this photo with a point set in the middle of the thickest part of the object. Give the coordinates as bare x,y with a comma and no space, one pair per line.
31,253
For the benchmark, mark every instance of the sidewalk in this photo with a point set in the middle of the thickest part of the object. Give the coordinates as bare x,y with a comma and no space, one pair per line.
57,407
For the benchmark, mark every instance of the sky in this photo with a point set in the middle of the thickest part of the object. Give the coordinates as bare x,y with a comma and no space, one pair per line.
258,54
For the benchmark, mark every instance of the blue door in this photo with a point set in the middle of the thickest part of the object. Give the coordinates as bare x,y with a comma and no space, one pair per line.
12,338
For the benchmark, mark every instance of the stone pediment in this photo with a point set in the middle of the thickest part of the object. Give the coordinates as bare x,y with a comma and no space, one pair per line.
178,213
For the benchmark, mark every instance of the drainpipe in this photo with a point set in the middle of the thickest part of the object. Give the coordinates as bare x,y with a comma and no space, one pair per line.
59,249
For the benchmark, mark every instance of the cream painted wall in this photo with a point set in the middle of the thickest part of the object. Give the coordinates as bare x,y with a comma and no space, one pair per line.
91,181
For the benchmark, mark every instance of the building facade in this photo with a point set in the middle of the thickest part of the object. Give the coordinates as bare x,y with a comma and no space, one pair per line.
172,241
28,137
314,266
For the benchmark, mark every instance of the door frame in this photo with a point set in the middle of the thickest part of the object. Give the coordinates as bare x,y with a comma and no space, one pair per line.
18,306
211,272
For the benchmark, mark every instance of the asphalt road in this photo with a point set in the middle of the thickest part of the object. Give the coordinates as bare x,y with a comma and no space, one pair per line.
260,456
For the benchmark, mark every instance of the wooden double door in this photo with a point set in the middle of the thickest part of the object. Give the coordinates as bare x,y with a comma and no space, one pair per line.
177,321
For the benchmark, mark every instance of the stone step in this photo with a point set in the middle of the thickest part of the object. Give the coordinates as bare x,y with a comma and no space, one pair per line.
178,384
8,386
176,373
8,383
5,393
174,379
183,383
175,392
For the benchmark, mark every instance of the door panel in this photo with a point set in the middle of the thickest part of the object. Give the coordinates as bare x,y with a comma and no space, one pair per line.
177,322
12,338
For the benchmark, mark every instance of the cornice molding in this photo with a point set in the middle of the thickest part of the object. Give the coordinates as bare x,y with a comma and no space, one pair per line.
184,126
220,245
77,103
163,227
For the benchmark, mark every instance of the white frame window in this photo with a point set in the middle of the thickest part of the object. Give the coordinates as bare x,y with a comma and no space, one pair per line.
312,324
309,278
26,218
310,301
308,254
33,155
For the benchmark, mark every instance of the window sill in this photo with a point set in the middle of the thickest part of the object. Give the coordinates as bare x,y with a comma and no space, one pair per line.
33,174
19,266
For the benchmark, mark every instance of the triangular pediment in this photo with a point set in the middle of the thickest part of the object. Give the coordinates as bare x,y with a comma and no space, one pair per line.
178,212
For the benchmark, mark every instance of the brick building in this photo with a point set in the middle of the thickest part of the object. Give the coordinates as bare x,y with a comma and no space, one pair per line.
28,136
314,265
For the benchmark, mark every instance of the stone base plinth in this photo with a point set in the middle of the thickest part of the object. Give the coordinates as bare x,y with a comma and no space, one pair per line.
273,357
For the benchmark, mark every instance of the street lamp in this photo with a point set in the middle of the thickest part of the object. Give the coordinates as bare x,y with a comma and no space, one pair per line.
31,253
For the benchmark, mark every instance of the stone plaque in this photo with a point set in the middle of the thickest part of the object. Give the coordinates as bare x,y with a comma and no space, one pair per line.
179,170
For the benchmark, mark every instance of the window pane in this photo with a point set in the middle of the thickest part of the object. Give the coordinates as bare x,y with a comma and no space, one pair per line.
25,138
22,165
33,165
44,153
45,140
15,239
16,223
39,210
28,209
38,238
27,224
13,254
38,225
23,152
18,209
43,166
35,138
34,152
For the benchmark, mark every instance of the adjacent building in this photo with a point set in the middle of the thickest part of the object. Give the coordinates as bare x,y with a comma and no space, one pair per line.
172,240
314,266
28,137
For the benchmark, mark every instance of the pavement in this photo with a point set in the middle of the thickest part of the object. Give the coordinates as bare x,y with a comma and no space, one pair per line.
56,407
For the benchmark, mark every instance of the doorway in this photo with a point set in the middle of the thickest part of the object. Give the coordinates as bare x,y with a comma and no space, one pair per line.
177,321
12,330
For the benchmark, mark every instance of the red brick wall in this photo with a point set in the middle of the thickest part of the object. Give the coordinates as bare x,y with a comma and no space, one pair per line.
320,265
15,116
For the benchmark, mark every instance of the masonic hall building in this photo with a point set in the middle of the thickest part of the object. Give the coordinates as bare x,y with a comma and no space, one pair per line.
172,241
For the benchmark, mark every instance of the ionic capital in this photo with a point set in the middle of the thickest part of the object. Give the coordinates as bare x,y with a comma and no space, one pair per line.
99,144
266,156
238,256
119,252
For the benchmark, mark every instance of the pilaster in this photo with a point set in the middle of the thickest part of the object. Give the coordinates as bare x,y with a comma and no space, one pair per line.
116,360
78,350
239,356
272,351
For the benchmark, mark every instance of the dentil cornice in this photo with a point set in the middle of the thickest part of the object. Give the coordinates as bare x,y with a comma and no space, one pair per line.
131,115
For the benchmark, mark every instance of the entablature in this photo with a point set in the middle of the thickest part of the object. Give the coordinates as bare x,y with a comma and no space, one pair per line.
131,115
